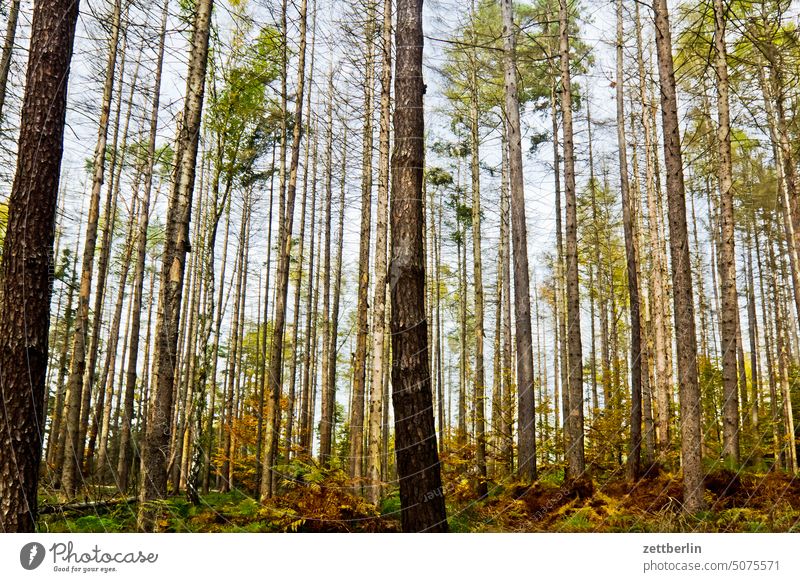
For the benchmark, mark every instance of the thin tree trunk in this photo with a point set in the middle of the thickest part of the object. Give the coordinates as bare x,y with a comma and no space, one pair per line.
727,254
362,317
376,402
8,49
632,262
123,461
574,423
158,435
282,283
79,389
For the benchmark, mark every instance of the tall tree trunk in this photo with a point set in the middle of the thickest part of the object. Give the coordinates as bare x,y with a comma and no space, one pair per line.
662,374
362,317
282,282
27,248
575,457
376,402
157,437
79,389
632,262
418,470
328,395
123,460
8,49
477,266
683,296
522,299
727,253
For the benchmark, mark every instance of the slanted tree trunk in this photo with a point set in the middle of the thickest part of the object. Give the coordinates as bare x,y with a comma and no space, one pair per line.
158,434
27,249
522,301
8,50
418,470
683,296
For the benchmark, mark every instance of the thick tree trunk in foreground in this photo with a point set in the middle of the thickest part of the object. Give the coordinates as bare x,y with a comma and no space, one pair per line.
683,296
522,300
155,452
27,249
421,493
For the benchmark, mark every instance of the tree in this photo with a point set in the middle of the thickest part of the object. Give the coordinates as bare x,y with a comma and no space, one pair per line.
522,301
727,252
574,423
282,284
683,296
79,389
418,470
632,262
157,437
376,402
27,248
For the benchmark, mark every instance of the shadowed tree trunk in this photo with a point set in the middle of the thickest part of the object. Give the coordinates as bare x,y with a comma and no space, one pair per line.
421,493
27,261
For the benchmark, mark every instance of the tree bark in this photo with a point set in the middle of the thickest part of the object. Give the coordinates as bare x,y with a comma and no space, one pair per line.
727,254
575,455
683,297
27,262
418,470
632,263
522,301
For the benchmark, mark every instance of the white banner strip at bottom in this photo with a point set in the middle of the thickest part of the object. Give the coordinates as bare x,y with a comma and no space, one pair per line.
400,557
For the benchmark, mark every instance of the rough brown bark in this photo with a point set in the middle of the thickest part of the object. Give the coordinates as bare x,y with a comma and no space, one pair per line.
421,493
683,297
27,261
522,300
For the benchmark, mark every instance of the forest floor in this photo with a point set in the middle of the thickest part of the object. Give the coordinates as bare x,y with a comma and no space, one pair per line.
313,500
